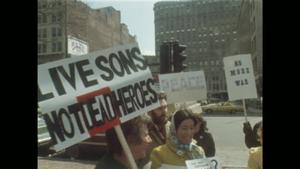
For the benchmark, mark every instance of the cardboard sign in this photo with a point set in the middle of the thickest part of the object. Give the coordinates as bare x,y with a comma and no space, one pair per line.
184,86
92,93
239,77
198,164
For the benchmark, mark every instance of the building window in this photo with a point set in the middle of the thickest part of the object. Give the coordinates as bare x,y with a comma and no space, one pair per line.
39,19
44,48
53,18
44,18
59,32
59,46
54,47
39,48
39,34
53,32
45,33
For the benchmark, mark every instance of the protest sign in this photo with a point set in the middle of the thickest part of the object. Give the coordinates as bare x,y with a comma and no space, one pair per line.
184,86
239,77
85,95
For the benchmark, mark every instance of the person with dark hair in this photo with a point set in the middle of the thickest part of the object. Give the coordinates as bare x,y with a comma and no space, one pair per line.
255,153
158,127
250,134
204,138
138,139
180,145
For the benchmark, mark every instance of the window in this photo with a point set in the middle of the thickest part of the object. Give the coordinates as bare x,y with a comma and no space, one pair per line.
59,32
59,46
53,32
54,47
39,34
44,48
44,18
53,18
39,19
39,48
45,33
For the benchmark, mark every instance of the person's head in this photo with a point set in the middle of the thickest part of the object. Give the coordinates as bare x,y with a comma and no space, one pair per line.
136,135
160,115
260,133
183,122
201,124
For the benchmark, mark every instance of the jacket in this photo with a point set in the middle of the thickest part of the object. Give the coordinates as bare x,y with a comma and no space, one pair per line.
167,154
206,141
255,158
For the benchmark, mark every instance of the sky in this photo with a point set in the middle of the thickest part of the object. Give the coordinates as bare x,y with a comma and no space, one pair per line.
138,15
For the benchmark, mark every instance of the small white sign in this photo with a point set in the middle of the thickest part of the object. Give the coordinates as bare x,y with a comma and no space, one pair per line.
215,163
77,47
184,86
239,77
198,164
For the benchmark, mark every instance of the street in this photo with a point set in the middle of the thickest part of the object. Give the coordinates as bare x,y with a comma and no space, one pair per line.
228,135
227,132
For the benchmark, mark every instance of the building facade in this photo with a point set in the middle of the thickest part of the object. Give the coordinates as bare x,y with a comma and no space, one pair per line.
250,33
58,19
206,27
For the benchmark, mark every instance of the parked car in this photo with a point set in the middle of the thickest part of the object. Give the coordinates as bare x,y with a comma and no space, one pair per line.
227,107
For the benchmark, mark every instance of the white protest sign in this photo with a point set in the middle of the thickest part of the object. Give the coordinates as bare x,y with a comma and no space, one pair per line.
197,164
184,86
239,77
168,166
215,163
89,94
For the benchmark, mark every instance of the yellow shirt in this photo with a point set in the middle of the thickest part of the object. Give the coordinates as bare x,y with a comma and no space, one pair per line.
166,154
255,158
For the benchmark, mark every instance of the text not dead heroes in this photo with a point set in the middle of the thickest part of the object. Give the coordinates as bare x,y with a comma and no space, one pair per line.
119,64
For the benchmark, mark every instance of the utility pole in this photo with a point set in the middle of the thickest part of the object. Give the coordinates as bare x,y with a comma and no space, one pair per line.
66,33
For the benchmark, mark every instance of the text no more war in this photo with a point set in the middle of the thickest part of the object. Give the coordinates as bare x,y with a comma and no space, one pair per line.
96,111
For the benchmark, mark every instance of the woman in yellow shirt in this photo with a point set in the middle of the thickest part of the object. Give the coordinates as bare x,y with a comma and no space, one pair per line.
180,145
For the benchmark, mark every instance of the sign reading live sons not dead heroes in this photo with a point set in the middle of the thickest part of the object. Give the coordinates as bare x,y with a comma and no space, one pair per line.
239,77
88,94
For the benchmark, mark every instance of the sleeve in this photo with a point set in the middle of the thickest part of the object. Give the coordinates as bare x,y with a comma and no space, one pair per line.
210,146
252,163
155,158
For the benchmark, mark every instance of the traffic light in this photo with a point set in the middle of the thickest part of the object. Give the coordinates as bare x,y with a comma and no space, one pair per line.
165,58
178,57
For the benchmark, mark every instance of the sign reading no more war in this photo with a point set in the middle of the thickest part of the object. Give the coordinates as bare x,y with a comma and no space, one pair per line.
89,94
184,86
239,77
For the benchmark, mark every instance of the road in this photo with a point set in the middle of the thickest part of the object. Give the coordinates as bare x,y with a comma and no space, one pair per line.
226,130
229,138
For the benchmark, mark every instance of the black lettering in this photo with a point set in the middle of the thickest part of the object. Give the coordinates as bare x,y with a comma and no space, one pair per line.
108,104
93,112
42,97
118,103
132,95
150,84
237,63
113,65
135,53
126,99
75,109
70,78
85,118
127,61
102,60
145,93
139,88
70,133
56,81
83,74
54,127
232,72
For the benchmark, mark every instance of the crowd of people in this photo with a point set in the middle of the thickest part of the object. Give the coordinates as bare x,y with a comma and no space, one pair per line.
158,138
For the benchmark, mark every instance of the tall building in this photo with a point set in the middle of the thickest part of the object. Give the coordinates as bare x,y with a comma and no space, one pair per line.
58,19
206,27
250,33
